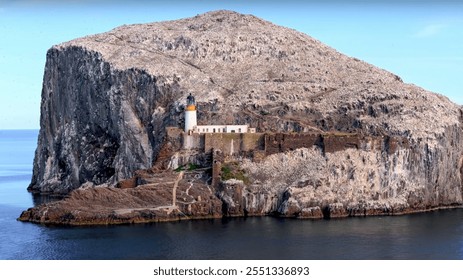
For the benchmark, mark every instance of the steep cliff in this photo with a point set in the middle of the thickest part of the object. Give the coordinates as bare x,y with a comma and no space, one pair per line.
373,178
107,99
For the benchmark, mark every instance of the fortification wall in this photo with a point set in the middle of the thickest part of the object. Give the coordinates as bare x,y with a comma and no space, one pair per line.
284,142
233,143
193,141
258,145
331,142
339,142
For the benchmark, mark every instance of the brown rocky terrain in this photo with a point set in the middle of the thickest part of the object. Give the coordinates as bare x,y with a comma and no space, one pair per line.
152,201
108,98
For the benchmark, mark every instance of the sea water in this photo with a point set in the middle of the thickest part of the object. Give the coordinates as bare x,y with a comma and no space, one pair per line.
434,235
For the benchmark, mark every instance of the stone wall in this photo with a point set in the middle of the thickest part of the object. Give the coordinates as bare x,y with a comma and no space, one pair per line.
283,142
257,146
392,144
193,141
339,142
234,143
331,142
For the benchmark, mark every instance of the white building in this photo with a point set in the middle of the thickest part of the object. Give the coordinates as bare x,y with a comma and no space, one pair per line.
192,127
223,129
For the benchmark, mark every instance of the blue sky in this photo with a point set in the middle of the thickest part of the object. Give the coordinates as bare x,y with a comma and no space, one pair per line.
421,41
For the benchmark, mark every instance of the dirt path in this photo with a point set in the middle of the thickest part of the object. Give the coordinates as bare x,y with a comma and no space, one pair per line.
174,191
168,208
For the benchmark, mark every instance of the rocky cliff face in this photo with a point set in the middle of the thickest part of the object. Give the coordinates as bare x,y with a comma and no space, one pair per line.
371,179
107,99
98,124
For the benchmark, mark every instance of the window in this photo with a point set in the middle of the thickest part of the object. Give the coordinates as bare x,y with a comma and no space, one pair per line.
239,130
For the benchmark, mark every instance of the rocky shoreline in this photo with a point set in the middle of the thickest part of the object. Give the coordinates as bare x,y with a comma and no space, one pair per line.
153,201
65,213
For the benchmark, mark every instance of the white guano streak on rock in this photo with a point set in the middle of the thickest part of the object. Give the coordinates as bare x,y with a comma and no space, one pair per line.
136,127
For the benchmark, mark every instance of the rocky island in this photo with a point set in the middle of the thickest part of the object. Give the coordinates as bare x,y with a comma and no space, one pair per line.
334,136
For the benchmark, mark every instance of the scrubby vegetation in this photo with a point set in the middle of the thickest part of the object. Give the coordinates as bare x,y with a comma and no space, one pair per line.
233,171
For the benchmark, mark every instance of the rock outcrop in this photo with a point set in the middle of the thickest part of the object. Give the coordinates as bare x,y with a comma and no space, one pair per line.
164,196
107,99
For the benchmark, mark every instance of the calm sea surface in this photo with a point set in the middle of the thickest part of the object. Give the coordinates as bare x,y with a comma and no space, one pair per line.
436,235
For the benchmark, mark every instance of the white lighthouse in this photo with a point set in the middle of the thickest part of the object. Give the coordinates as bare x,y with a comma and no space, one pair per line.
190,113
